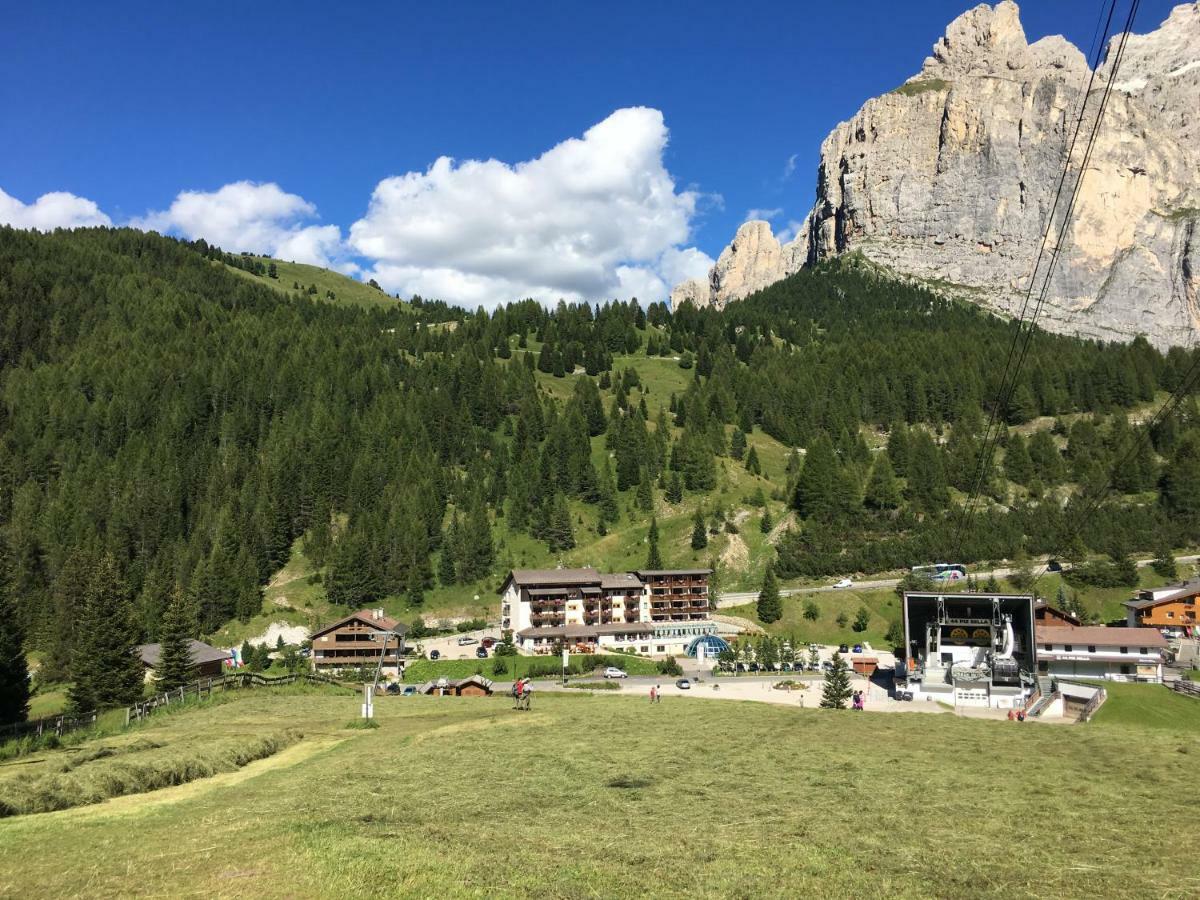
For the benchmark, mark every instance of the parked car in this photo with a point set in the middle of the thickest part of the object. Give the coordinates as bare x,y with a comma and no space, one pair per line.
754,667
858,648
683,684
489,642
842,648
435,654
481,652
410,690
844,583
827,666
614,672
904,695
1053,565
466,640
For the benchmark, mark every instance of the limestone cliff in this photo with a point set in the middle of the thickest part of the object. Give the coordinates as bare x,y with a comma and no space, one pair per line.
950,178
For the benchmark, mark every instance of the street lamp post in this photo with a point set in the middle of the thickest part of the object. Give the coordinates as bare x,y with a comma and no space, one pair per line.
368,706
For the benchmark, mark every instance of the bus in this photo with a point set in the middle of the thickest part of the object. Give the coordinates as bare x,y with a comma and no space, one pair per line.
941,572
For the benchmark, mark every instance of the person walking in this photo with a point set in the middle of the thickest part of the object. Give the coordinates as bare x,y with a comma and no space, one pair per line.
653,693
528,693
658,693
516,694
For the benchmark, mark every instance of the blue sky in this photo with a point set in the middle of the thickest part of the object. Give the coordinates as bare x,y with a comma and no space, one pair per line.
129,109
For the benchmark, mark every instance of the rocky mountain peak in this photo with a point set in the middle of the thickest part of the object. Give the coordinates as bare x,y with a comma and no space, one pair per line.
983,40
949,179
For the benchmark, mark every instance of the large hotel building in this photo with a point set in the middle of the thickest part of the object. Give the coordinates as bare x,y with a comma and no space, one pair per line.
649,611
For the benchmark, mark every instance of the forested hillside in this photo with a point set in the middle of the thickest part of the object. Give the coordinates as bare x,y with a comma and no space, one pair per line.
189,424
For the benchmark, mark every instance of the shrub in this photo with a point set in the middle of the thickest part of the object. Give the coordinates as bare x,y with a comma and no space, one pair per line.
669,667
499,666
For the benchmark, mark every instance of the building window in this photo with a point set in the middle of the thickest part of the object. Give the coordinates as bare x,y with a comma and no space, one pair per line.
1067,648
1047,647
1091,648
1170,615
1145,650
1124,649
661,649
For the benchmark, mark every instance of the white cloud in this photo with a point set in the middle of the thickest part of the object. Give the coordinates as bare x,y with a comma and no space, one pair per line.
259,218
789,231
790,166
49,211
591,218
765,214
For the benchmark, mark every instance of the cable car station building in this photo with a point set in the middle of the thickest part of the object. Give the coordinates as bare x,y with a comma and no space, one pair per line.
969,649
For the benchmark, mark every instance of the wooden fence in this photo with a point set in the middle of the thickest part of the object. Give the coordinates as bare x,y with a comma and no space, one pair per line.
1189,688
206,687
56,725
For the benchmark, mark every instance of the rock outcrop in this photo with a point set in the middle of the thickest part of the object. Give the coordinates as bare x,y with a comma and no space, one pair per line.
950,179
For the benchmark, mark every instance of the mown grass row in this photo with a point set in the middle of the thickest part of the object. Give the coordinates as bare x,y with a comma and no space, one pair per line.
146,765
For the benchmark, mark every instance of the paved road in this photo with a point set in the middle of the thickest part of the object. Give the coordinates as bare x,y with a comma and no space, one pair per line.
741,598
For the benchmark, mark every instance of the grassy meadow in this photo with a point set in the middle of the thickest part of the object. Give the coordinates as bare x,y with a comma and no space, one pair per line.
349,291
603,795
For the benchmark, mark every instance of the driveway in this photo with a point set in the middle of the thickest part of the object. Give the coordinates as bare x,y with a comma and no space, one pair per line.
448,646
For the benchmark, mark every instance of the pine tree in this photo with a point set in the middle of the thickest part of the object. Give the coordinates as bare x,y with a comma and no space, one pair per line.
752,464
1164,563
699,532
815,489
1018,466
737,444
1047,461
560,536
770,606
898,447
883,489
106,669
837,685
653,558
927,483
645,491
609,511
247,652
675,488
175,667
765,524
14,673
446,574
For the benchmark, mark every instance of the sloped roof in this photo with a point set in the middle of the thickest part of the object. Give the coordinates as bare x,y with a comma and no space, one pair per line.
1100,636
528,577
201,653
367,617
1190,589
620,580
642,573
1042,604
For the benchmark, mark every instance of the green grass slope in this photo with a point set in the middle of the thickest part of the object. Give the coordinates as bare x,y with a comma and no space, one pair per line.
610,796
345,289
